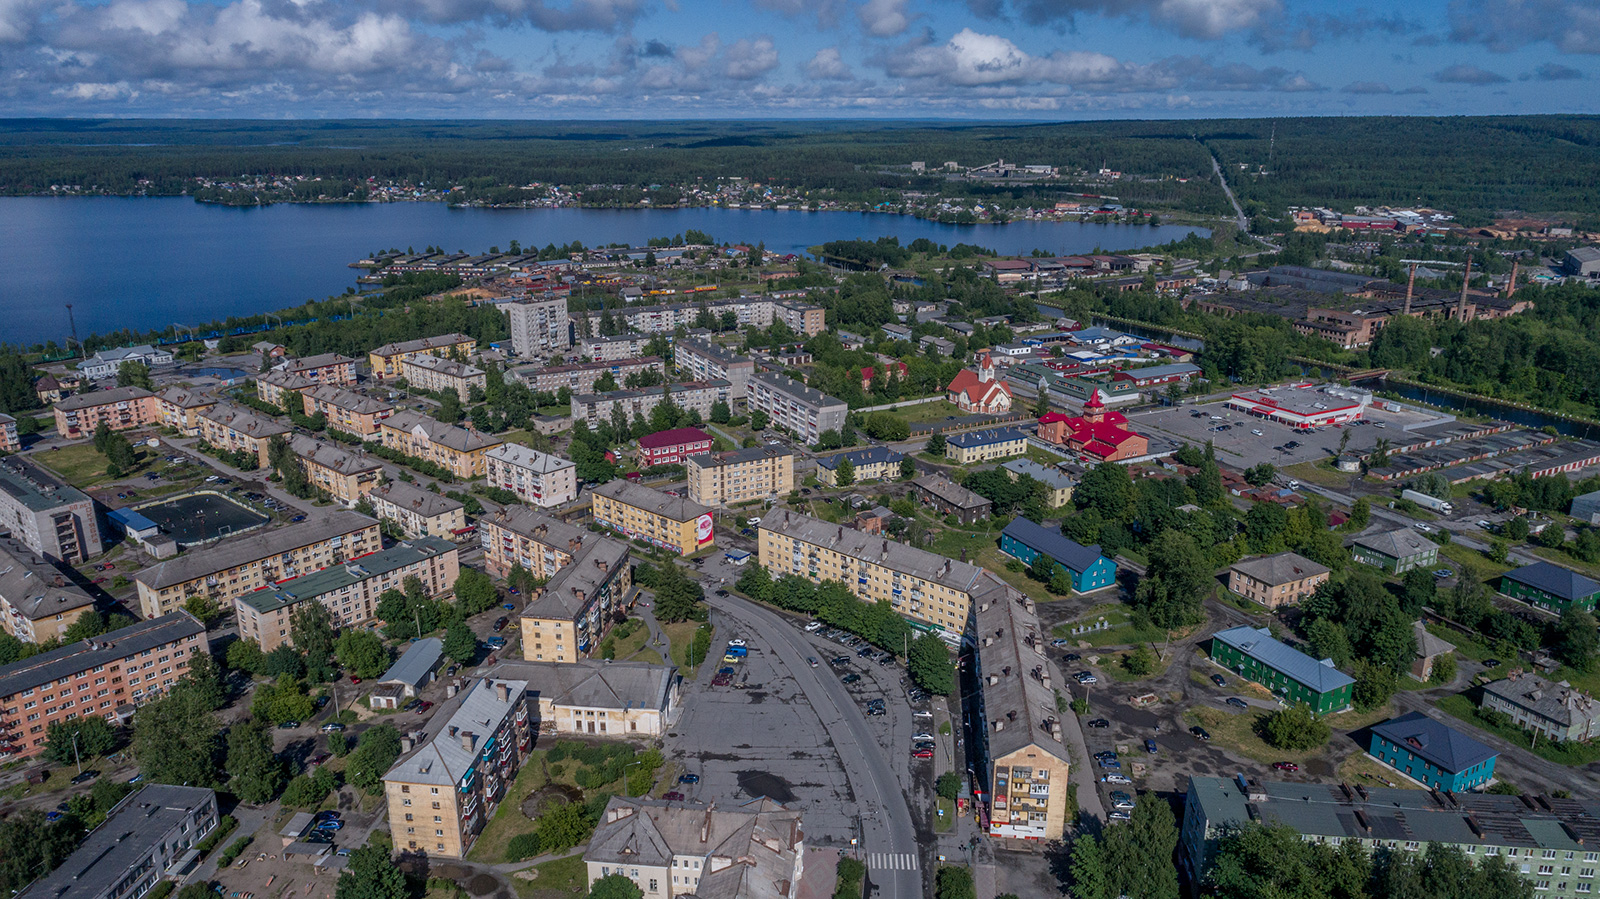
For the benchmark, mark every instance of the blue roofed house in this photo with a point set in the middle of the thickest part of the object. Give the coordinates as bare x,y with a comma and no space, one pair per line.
1090,570
1432,754
1550,587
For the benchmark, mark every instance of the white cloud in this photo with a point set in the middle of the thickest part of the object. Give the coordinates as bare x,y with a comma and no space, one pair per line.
828,65
884,18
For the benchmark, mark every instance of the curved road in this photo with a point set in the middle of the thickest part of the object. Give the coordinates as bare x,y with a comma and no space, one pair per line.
886,825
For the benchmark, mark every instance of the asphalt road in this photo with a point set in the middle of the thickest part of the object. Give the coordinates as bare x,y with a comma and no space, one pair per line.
887,831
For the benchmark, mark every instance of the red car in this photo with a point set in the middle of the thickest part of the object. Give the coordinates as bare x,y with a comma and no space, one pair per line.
1286,766
922,754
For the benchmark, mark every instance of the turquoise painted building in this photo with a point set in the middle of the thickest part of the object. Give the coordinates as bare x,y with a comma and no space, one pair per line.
1432,754
1090,570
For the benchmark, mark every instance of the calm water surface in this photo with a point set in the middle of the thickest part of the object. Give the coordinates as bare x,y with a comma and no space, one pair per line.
150,263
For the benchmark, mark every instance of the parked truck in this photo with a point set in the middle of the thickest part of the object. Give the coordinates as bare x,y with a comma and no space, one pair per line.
1432,503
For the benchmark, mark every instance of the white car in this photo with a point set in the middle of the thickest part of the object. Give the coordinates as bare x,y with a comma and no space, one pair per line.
735,642
1117,779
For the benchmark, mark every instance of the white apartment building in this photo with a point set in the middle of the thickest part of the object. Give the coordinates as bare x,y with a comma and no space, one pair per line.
538,478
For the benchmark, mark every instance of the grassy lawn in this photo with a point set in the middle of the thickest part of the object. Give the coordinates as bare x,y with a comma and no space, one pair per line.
1462,706
81,465
679,636
557,879
1472,563
509,820
1360,767
1236,731
1120,631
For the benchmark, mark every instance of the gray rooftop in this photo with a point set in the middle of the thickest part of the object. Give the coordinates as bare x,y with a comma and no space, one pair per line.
531,459
859,545
349,400
252,548
45,667
735,457
415,663
122,842
478,713
716,352
423,502
34,488
246,421
1400,543
593,683
950,491
451,436
1011,648
34,587
1260,645
1381,813
1283,568
1557,702
331,457
421,345
750,849
1049,475
101,397
806,396
676,508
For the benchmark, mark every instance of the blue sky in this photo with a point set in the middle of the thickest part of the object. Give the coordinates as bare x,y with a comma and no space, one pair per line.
663,59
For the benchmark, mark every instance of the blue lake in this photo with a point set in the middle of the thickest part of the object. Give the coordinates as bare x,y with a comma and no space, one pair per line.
148,263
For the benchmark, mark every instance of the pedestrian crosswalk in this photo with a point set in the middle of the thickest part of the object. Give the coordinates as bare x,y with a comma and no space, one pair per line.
891,861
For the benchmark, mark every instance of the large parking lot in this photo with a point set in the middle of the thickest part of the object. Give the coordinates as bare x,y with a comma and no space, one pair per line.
1240,446
749,729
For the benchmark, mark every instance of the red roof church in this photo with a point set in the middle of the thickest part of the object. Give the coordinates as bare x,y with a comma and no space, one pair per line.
1097,435
979,391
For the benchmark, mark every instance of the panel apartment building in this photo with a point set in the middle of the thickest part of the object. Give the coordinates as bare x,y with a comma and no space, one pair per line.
930,591
37,600
542,479
105,677
145,839
47,516
1549,841
580,377
722,479
708,361
120,408
385,361
235,567
639,402
1022,758
539,327
804,411
441,794
418,512
350,591
587,578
